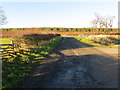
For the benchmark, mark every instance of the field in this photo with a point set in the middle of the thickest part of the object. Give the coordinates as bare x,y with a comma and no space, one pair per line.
63,31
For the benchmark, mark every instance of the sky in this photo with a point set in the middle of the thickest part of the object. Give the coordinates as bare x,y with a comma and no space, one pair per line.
57,13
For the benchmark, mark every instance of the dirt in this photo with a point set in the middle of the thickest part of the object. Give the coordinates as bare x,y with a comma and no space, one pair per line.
74,65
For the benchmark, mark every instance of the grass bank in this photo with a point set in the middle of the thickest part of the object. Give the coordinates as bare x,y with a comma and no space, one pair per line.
108,41
17,68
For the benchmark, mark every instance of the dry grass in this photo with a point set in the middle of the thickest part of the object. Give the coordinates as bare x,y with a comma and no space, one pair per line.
111,41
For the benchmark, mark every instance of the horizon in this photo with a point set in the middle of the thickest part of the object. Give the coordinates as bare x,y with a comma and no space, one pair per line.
61,27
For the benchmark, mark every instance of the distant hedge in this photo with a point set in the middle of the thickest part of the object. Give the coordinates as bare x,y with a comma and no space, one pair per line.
66,29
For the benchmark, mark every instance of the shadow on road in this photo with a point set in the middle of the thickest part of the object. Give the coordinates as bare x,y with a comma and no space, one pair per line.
103,73
73,69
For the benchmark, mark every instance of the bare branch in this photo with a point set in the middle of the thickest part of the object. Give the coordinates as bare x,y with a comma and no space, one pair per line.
103,21
3,18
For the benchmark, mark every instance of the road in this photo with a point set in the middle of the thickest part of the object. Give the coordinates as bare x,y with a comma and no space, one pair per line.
74,65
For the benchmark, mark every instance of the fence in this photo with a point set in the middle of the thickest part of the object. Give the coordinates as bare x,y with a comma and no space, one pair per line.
11,50
6,50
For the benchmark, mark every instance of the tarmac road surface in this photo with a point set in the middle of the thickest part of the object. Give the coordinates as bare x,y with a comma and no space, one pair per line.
74,65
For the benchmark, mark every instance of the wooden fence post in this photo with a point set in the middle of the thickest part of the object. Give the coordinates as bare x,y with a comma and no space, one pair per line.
12,42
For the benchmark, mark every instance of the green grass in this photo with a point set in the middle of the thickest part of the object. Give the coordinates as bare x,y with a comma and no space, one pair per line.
99,42
87,41
17,68
5,40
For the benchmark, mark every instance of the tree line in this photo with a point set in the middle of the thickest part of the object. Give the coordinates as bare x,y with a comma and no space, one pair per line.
65,29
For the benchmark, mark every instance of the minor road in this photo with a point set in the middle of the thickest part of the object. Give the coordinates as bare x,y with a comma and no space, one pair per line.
74,65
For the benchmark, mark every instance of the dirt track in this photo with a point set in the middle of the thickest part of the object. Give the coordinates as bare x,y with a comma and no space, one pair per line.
74,65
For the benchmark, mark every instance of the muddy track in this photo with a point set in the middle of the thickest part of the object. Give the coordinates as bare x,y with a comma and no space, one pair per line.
74,65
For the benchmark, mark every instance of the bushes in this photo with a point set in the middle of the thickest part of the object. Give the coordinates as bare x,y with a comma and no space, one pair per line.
32,40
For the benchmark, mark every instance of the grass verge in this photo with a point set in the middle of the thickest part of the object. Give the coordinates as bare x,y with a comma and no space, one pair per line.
99,42
17,68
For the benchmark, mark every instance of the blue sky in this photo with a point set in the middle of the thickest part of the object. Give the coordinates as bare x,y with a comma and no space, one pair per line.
34,13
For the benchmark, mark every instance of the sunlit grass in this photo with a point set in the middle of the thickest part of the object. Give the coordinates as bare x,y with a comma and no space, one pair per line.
111,41
16,68
5,41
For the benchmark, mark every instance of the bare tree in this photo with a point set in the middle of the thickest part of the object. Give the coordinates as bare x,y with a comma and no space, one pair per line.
3,18
103,21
